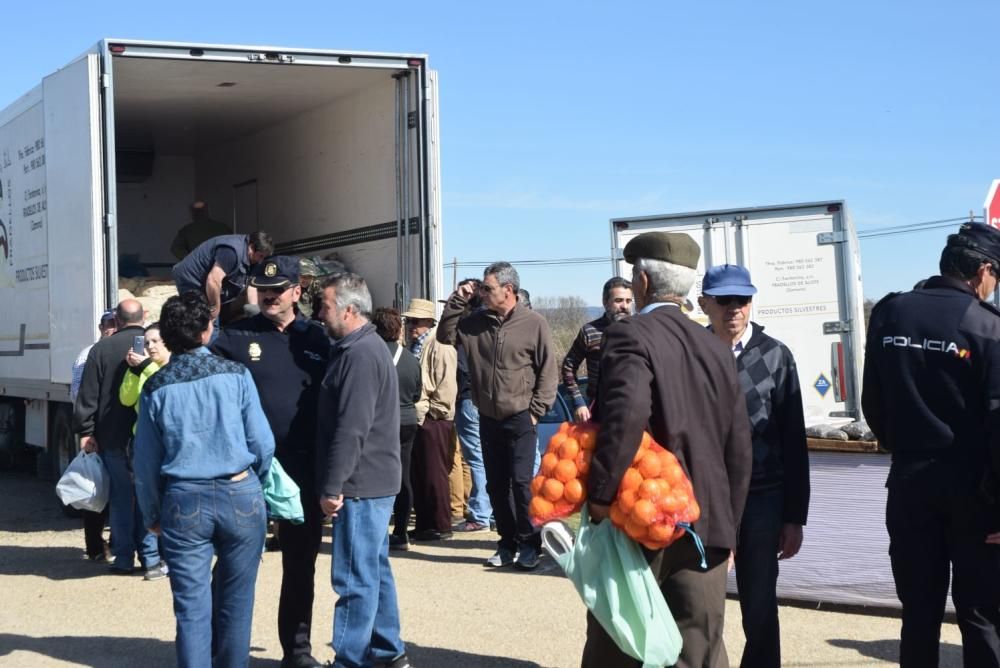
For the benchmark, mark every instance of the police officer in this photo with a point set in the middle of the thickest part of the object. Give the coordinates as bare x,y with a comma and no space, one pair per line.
931,393
286,355
220,267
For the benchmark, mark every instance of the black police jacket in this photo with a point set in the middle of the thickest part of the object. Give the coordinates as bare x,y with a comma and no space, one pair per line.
931,387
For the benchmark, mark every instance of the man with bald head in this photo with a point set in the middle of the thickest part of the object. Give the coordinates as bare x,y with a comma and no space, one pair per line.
105,426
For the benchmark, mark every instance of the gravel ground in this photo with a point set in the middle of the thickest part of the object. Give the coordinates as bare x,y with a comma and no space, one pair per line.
57,609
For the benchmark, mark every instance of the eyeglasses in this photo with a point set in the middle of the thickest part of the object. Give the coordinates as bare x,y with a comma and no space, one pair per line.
726,300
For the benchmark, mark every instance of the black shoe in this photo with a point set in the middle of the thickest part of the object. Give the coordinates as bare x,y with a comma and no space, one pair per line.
272,544
121,571
397,542
300,661
398,662
430,534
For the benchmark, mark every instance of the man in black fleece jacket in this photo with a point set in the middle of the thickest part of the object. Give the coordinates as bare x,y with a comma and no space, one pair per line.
359,476
105,425
778,502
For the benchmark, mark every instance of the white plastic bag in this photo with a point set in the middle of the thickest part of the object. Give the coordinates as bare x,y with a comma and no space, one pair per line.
85,483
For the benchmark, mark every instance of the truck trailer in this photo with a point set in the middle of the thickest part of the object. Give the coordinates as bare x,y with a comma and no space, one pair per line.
333,153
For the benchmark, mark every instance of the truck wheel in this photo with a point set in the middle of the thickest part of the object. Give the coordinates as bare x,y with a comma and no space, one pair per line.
62,441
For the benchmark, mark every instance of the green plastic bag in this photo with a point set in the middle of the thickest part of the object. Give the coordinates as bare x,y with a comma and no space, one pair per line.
284,501
613,578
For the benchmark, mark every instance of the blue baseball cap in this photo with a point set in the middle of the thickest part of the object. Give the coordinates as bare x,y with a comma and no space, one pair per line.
727,279
277,271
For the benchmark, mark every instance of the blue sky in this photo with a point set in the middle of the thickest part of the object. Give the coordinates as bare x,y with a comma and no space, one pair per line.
556,116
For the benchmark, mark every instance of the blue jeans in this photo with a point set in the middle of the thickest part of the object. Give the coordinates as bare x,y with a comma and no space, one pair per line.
214,608
128,535
467,426
366,616
757,577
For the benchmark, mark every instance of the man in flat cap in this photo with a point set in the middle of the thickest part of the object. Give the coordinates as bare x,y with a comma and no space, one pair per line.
663,372
931,394
287,355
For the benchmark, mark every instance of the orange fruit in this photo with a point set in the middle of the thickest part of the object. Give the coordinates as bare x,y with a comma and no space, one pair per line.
627,500
563,508
674,474
637,457
643,512
667,460
634,530
540,507
649,465
583,462
564,427
554,442
647,440
569,449
670,504
650,489
549,462
660,532
631,480
536,484
587,439
574,492
618,516
552,490
565,470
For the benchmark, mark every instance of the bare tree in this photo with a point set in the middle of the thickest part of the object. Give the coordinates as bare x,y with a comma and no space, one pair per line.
565,316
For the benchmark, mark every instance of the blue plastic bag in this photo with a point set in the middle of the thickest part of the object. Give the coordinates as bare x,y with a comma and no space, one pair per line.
613,578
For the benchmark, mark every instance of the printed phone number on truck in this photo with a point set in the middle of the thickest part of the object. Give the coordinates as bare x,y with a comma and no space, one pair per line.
35,273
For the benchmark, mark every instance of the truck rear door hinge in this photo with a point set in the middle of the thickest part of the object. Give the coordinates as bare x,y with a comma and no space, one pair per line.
837,327
827,238
105,81
411,119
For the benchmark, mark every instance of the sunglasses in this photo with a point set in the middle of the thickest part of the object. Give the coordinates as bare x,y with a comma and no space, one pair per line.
726,300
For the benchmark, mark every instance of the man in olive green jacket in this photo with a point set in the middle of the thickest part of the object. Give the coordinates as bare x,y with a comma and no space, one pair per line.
513,377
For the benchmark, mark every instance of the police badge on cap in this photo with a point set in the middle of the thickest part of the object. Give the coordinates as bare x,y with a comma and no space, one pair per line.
277,271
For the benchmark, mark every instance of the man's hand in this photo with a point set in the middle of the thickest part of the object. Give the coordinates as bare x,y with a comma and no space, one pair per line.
993,538
331,505
88,444
534,421
466,291
155,528
598,512
732,562
789,541
581,414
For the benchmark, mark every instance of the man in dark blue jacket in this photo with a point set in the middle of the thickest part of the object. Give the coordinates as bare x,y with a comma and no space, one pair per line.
778,502
931,394
359,475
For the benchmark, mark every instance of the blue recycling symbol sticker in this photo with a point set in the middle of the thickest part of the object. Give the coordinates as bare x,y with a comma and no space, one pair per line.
822,385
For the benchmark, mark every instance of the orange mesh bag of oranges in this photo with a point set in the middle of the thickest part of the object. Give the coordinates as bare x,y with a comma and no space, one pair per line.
655,504
560,488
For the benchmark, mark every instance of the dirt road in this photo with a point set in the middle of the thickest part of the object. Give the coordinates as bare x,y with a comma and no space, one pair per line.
57,609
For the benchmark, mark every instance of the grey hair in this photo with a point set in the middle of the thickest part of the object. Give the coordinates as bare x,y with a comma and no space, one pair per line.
667,281
352,292
505,273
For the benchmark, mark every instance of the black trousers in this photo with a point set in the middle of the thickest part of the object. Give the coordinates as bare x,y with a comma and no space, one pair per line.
509,459
93,532
404,500
299,547
929,538
757,578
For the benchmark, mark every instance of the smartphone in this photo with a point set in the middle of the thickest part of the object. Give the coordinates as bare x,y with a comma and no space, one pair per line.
139,345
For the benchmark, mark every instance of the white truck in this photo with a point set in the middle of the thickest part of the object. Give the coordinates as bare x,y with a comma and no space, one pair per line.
805,261
328,151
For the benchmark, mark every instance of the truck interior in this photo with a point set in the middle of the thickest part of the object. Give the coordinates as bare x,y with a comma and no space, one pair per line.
325,159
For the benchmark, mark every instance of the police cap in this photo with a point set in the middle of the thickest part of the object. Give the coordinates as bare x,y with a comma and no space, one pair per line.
978,237
277,271
673,247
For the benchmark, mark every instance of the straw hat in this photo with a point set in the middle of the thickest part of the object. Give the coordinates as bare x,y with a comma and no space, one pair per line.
420,309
